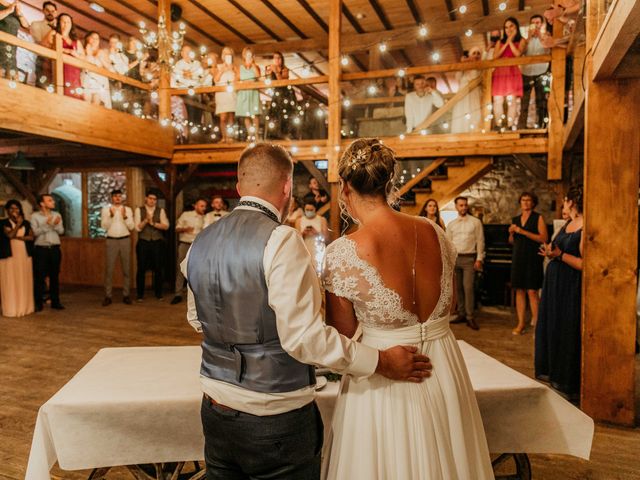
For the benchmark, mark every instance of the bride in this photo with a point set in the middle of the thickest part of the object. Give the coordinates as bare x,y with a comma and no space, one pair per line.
394,278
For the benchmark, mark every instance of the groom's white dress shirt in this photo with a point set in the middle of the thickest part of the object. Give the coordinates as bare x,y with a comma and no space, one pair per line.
296,299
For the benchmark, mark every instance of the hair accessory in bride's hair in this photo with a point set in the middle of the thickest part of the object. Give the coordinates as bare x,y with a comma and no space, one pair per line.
360,156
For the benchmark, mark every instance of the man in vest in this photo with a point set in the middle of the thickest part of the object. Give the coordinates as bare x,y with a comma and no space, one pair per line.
151,222
254,294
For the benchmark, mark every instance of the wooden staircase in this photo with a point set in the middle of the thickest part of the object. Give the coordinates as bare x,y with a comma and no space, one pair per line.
444,188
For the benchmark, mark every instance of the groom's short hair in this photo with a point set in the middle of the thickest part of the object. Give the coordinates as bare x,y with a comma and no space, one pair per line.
264,166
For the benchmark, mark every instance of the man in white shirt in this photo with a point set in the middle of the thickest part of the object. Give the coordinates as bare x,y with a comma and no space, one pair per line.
47,227
188,73
218,211
467,235
117,220
188,226
151,222
534,76
39,30
262,323
418,105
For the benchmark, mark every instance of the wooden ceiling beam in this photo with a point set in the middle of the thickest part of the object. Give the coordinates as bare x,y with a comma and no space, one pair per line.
309,9
414,10
221,22
485,7
451,11
398,37
382,16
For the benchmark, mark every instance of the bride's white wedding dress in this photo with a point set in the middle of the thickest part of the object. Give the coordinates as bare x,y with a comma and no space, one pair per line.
391,430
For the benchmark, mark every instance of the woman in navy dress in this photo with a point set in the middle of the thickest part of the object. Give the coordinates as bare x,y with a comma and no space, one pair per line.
558,332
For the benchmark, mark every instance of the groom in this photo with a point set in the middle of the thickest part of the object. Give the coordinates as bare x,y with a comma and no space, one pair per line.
255,295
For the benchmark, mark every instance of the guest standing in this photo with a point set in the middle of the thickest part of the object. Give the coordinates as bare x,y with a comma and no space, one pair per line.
96,86
151,222
218,211
248,101
11,19
39,30
320,196
117,220
467,235
466,114
418,105
506,82
47,228
187,73
283,100
431,210
315,232
226,101
188,226
558,331
16,268
71,46
533,76
526,233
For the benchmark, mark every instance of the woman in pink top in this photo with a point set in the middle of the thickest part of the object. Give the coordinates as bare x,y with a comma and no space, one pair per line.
507,81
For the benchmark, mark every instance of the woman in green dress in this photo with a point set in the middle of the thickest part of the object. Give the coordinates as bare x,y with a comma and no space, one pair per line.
248,101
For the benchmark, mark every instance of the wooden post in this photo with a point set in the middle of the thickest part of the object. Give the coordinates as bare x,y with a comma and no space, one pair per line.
164,93
611,172
58,68
335,110
487,105
556,102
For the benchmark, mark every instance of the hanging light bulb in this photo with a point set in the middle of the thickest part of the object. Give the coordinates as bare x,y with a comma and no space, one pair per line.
468,33
423,31
503,6
344,61
346,103
372,89
402,72
435,56
382,47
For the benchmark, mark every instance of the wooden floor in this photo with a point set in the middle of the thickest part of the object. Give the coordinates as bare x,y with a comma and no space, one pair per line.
39,353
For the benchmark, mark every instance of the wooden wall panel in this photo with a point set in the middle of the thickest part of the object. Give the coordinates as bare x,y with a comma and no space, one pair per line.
83,263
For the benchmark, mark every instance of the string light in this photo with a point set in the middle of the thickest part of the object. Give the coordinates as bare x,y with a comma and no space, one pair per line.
382,47
315,149
435,57
402,72
294,149
462,9
402,136
346,103
468,33
502,7
344,61
423,31
372,89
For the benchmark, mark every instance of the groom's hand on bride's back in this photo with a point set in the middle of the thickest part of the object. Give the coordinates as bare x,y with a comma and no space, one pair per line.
402,362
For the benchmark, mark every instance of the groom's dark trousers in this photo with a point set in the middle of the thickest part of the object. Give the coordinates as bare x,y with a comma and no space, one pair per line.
240,446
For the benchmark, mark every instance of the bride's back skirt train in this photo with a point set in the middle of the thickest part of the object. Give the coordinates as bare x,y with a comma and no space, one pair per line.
387,430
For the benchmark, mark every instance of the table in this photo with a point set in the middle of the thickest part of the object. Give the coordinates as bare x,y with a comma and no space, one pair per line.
140,405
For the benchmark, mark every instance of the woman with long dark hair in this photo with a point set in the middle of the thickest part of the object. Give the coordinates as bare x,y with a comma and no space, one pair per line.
16,271
283,101
558,332
506,82
431,210
71,46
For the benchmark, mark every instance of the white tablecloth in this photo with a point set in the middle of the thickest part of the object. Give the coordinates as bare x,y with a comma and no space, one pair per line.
142,405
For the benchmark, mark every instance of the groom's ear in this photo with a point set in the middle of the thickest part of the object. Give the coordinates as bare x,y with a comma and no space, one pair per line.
238,189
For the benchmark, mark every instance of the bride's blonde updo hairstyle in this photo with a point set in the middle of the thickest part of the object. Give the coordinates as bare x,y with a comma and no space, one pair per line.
370,168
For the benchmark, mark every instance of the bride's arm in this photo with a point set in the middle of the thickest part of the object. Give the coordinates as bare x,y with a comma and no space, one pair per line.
340,315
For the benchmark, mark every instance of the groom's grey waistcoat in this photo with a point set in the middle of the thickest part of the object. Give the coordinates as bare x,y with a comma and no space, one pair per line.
226,274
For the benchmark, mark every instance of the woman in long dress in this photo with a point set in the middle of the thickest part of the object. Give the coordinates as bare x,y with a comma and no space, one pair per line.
16,271
558,331
248,101
393,277
466,115
71,46
506,82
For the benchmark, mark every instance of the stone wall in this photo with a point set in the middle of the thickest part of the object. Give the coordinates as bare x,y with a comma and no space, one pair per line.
496,194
